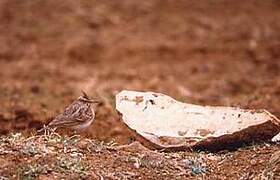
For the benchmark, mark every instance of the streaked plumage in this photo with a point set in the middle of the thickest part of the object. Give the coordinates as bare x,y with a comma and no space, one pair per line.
77,116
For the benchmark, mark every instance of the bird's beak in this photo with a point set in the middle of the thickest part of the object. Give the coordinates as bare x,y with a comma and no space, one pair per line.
94,101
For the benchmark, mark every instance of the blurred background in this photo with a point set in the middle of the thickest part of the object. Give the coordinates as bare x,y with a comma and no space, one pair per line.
214,52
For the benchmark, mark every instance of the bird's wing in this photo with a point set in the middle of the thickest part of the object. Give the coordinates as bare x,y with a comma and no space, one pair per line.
61,121
72,108
79,115
83,114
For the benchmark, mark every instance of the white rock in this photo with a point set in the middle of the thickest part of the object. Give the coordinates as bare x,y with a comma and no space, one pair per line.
276,138
161,122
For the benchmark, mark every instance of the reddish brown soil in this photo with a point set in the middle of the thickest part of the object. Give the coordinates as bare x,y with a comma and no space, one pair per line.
211,53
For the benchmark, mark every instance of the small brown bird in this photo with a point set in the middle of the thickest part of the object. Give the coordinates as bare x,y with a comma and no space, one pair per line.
77,116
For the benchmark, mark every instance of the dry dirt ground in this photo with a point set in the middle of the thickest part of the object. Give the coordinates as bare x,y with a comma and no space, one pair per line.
210,53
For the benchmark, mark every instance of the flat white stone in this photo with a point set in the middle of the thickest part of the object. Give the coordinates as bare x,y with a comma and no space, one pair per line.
165,122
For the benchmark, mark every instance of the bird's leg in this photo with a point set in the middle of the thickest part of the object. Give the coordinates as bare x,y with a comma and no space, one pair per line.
50,130
53,129
42,129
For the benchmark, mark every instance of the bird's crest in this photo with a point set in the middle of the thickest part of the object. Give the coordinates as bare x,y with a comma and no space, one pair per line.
86,98
85,95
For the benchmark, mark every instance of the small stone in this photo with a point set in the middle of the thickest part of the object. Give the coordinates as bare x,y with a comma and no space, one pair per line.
214,158
253,162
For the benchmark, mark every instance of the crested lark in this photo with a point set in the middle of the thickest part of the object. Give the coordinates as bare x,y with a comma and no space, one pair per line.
77,116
